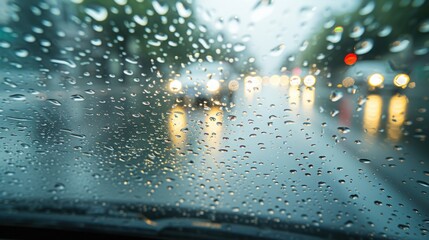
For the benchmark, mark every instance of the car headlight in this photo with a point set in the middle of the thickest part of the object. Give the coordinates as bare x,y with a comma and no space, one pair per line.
309,80
401,80
213,85
375,80
295,80
175,86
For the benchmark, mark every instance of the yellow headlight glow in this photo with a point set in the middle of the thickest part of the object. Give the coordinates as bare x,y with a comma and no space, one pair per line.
284,80
213,85
295,81
309,80
175,86
375,80
401,80
275,80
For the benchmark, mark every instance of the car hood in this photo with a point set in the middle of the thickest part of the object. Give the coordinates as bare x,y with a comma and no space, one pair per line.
143,220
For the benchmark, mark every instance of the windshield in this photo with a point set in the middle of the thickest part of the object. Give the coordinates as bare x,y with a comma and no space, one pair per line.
259,118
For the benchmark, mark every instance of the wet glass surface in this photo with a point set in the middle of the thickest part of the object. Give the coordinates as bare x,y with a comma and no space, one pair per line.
229,112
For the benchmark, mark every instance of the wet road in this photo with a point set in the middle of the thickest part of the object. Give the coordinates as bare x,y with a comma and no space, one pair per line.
280,152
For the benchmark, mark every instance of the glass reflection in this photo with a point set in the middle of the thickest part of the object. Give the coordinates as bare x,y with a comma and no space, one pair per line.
372,114
252,84
294,96
177,125
397,112
308,99
213,127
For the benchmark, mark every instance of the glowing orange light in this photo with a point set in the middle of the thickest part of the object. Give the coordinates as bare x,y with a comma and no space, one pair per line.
350,59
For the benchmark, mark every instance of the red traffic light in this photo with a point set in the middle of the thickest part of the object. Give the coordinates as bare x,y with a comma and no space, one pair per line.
350,59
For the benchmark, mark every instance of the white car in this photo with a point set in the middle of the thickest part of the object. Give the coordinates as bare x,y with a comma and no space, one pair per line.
376,74
205,82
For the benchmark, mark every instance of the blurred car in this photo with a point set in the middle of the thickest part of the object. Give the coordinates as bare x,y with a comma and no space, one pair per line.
212,83
376,74
301,76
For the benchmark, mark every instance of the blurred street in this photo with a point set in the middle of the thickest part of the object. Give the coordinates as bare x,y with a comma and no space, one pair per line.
278,145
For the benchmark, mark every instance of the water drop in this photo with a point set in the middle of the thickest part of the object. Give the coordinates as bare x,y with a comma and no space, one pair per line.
96,42
424,26
18,97
343,129
121,2
423,183
320,56
4,44
364,160
90,91
182,10
154,43
357,30
98,13
384,32
22,53
399,45
161,37
142,21
335,37
54,102
160,9
367,9
354,196
403,226
232,117
364,46
79,136
29,38
239,47
128,72
24,145
77,97
69,63
278,50
334,113
335,95
348,224
303,46
59,186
